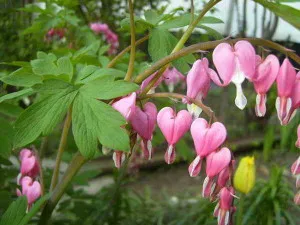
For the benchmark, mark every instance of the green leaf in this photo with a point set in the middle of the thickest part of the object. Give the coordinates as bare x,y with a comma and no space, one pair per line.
6,137
212,32
18,94
90,73
43,116
15,212
152,16
44,65
106,88
10,109
35,209
92,49
185,20
65,66
140,25
94,120
161,44
23,77
288,13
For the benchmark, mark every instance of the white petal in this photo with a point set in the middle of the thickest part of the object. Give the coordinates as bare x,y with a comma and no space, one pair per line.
240,99
171,87
194,110
149,148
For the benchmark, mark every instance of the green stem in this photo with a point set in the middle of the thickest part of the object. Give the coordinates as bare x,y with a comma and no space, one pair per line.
181,42
239,220
207,110
125,50
61,148
211,45
76,163
132,51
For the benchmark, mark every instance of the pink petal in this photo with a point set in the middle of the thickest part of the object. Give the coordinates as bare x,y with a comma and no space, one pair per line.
267,73
224,60
226,198
165,121
245,53
25,153
147,149
223,177
207,139
286,79
125,105
198,81
170,154
295,169
296,93
217,161
27,164
195,167
33,192
182,124
298,137
260,108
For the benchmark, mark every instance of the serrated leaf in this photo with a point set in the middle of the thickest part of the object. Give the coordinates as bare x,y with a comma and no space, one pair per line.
106,88
94,120
44,66
15,212
23,77
17,94
90,73
288,13
92,49
35,209
43,116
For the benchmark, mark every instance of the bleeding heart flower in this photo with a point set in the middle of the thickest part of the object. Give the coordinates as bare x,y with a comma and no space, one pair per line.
297,198
295,169
30,188
172,77
234,64
298,137
225,207
266,74
147,81
29,163
173,128
207,138
285,82
126,105
217,161
143,122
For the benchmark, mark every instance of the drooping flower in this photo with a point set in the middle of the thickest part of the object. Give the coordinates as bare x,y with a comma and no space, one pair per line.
119,158
207,138
266,74
31,189
143,122
198,84
234,64
148,80
285,82
244,178
295,100
297,198
172,77
55,34
173,128
295,169
215,163
225,208
29,163
111,38
126,105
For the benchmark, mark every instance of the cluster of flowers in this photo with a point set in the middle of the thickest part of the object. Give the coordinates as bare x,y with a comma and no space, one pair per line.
55,34
295,169
109,36
27,177
233,64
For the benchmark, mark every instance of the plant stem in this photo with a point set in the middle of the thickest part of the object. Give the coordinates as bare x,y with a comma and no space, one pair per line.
125,50
181,42
239,218
132,51
76,163
61,148
210,45
207,110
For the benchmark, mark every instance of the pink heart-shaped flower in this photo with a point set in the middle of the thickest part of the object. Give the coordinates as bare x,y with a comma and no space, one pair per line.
217,161
207,138
143,121
173,126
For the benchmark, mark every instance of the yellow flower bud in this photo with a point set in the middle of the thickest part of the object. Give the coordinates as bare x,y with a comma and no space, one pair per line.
244,178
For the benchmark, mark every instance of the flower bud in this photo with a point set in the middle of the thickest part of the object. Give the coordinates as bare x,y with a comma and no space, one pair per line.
244,178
